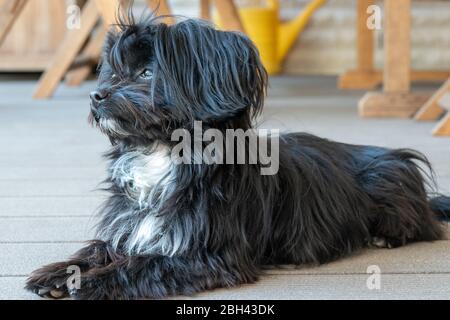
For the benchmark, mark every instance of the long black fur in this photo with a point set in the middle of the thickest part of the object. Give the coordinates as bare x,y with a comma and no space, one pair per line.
224,223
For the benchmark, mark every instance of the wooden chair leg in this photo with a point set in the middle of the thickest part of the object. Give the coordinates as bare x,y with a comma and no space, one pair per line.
109,9
229,15
364,76
396,100
93,49
91,52
431,110
10,10
67,52
397,75
161,8
205,10
443,127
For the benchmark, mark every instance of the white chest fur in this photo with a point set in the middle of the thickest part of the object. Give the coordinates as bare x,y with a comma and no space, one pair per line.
140,171
146,177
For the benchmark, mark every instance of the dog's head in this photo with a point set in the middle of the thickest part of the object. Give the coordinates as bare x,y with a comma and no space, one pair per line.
156,78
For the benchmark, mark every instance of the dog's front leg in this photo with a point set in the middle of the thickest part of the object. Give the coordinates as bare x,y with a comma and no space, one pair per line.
51,280
153,277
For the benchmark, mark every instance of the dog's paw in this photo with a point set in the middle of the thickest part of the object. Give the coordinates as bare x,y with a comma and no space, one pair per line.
379,242
385,242
101,284
49,281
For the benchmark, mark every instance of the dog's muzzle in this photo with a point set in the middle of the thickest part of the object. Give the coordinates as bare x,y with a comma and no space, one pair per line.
97,98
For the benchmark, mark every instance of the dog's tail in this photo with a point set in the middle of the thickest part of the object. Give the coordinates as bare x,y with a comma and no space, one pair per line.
441,207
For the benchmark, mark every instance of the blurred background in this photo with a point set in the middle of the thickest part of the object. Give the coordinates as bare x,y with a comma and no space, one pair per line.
327,46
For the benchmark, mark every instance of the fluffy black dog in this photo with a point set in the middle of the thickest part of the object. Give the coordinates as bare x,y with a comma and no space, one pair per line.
179,229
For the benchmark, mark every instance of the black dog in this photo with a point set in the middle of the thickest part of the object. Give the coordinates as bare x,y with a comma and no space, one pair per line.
179,229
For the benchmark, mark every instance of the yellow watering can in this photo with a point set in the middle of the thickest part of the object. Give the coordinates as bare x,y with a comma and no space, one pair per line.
273,38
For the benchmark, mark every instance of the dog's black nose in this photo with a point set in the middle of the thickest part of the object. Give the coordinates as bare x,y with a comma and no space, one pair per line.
98,96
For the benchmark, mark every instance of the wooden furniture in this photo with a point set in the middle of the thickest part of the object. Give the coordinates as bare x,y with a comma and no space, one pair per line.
443,126
89,56
436,107
80,48
10,10
91,53
395,100
162,7
229,15
72,44
30,33
365,76
68,52
205,9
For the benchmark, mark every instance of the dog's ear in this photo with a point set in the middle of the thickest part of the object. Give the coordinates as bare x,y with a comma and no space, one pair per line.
246,71
216,75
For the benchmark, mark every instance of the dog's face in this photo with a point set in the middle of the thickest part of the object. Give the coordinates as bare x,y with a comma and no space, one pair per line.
156,78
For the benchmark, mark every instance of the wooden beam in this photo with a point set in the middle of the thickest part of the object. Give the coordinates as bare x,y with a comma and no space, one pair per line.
229,15
444,101
429,75
205,10
395,100
356,79
161,8
396,61
91,52
10,10
382,104
109,9
397,42
365,37
67,52
443,127
25,62
364,76
431,110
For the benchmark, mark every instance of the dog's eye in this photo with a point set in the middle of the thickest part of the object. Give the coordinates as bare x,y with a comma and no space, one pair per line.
146,74
114,76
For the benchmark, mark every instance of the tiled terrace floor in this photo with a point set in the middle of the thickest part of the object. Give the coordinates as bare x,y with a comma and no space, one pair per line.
50,166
